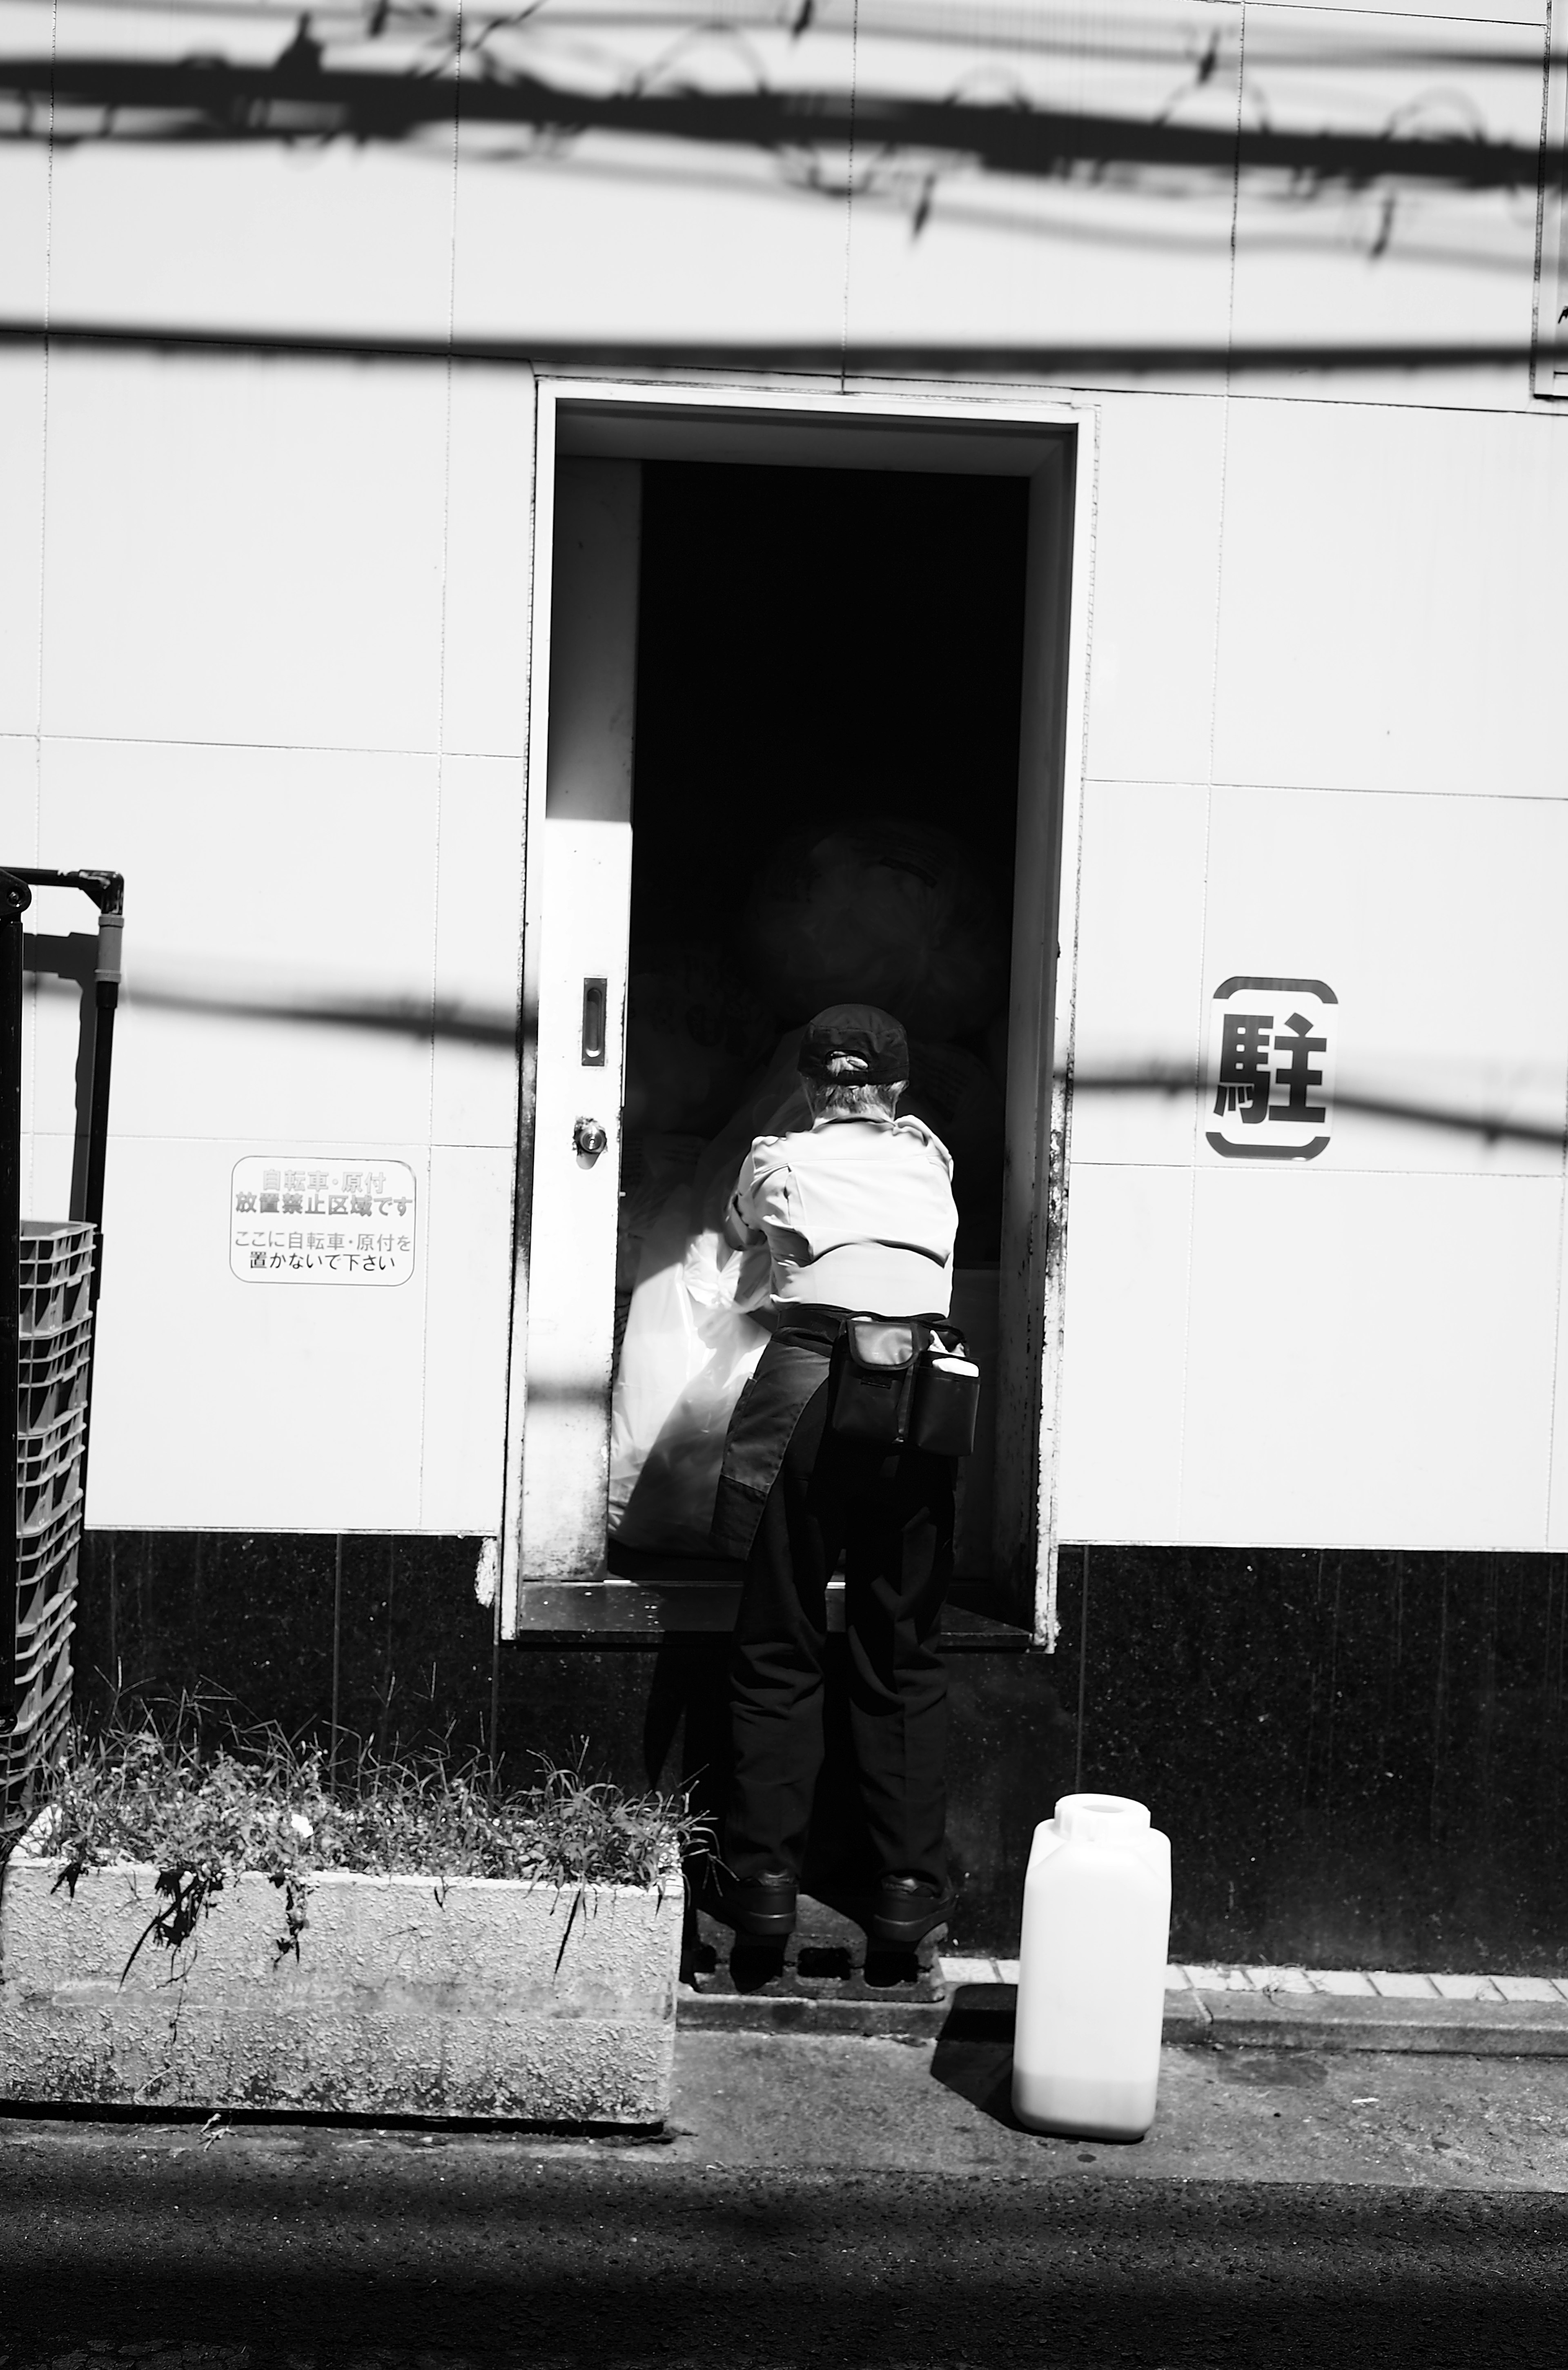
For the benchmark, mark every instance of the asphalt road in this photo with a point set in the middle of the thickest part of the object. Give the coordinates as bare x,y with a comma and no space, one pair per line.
336,2249
592,2262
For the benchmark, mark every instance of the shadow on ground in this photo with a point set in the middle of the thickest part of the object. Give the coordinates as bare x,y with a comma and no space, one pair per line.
586,2258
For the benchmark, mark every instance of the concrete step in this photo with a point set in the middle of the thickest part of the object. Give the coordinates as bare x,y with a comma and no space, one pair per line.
826,1978
1227,2008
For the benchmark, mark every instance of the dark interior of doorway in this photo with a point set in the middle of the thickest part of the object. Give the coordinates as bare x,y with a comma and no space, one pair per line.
829,667
825,808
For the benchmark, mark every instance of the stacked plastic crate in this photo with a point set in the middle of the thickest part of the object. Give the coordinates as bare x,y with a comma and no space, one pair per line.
51,1420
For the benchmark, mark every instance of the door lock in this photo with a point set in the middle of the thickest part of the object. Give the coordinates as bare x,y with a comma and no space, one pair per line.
589,1138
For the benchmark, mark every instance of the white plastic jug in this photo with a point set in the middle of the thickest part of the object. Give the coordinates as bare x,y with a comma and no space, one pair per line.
1091,1971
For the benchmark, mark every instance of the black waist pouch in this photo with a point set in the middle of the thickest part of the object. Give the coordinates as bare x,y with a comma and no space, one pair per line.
947,1400
903,1379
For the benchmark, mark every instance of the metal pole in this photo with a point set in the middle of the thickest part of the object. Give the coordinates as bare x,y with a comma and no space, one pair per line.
336,1653
106,999
107,890
15,899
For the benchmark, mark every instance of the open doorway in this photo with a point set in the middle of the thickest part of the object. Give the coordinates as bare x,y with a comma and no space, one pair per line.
824,809
796,658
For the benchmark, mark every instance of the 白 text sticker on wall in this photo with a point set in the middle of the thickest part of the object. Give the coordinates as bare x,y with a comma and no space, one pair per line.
322,1220
1270,1073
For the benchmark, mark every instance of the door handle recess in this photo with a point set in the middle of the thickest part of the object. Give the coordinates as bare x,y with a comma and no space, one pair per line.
595,1000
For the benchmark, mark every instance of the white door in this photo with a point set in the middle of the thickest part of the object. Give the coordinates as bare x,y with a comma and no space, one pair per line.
578,893
577,927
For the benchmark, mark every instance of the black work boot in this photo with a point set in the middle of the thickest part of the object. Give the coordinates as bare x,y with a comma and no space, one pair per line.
902,1910
762,1908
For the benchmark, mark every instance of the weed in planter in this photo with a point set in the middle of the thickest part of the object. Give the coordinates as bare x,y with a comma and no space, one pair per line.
200,1813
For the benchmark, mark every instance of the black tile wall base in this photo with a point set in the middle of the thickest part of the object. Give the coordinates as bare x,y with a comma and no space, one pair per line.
250,1620
261,1621
1359,1758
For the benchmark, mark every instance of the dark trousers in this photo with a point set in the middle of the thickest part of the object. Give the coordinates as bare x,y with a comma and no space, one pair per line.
892,1518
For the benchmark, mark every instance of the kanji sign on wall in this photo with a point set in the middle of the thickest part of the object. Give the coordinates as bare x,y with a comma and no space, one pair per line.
1270,1068
294,1221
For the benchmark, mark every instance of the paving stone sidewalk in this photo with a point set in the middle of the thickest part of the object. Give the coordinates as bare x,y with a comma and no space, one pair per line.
1336,1983
1328,2008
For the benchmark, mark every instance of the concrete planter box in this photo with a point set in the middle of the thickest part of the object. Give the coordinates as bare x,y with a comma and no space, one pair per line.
408,1997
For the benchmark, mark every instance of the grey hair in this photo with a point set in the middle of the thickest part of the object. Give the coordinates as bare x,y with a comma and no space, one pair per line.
860,1100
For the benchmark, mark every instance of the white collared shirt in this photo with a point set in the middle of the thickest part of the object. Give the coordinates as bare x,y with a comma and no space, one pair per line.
858,1213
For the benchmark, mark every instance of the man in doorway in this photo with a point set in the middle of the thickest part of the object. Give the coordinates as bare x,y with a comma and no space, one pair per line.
859,1218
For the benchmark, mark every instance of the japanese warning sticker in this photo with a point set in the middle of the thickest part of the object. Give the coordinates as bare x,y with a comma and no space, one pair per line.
322,1222
1270,1073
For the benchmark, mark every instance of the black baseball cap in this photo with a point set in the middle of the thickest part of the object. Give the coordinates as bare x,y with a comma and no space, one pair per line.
855,1045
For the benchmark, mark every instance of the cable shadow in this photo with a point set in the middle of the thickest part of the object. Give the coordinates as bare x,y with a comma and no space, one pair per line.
852,358
498,1031
296,97
502,1032
1491,1128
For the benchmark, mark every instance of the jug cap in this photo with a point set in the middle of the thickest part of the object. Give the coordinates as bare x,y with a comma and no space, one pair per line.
1101,1818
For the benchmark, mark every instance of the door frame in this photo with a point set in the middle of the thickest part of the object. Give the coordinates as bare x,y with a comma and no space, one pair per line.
1054,442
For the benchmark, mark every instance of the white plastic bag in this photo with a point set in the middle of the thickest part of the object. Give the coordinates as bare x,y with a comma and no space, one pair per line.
694,1333
691,1343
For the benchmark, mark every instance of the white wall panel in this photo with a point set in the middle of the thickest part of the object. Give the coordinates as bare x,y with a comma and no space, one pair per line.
309,236
945,250
222,1404
23,397
1360,260
478,950
1486,12
337,902
47,1162
1128,1243
247,561
489,517
18,795
1156,534
1390,601
1435,920
24,210
618,240
240,549
272,878
1370,1359
1361,1350
618,237
468,1312
1138,1007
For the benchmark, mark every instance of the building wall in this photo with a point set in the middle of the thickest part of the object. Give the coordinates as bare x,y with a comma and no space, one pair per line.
1352,779
265,599
281,684
265,521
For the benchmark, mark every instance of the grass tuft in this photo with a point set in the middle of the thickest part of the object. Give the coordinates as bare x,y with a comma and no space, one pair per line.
203,1808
